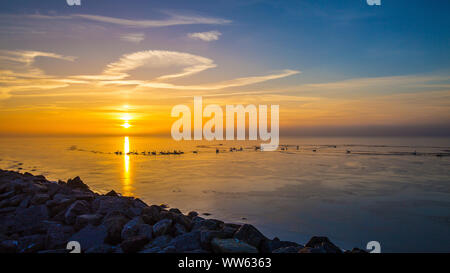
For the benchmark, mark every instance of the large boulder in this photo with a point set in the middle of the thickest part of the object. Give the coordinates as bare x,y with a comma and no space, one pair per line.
186,242
151,214
114,223
250,235
57,235
79,207
323,243
232,245
90,236
131,228
134,244
162,227
77,183
268,246
87,219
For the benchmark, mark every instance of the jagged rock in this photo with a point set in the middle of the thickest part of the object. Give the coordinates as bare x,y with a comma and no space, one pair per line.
77,208
179,229
162,227
58,235
112,193
250,235
134,244
146,231
40,198
206,236
159,242
25,221
323,242
87,219
288,249
131,229
90,236
268,246
174,210
114,223
192,214
232,245
199,223
107,204
312,250
77,183
186,242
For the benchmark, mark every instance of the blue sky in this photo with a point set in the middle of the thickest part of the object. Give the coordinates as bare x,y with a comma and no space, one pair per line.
340,53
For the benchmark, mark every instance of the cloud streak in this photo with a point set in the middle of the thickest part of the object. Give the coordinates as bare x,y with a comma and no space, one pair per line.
172,20
205,36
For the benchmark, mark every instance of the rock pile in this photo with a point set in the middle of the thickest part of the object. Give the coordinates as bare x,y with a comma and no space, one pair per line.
38,215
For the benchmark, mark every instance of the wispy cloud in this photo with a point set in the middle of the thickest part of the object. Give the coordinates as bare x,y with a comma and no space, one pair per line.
205,36
133,37
172,20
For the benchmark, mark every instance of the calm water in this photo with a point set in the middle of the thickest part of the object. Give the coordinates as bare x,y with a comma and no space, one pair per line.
380,191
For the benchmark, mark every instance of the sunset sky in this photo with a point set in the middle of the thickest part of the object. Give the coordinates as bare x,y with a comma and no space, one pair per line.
334,67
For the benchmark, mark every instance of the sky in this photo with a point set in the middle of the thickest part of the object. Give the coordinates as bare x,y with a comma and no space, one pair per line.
334,67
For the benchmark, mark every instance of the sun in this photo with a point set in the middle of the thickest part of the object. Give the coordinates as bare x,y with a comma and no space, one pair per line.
126,125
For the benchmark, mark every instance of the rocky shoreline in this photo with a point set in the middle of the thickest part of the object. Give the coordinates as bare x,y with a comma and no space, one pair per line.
40,216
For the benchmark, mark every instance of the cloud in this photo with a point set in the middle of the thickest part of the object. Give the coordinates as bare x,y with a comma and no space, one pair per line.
173,20
205,36
133,37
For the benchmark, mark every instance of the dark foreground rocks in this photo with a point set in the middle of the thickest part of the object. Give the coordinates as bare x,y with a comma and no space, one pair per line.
40,216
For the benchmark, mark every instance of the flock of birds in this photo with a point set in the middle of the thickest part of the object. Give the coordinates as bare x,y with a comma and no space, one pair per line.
232,149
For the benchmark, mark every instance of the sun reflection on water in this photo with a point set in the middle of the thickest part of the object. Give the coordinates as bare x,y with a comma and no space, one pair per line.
126,172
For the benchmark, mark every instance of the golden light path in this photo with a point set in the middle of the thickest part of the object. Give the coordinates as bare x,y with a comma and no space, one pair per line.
126,174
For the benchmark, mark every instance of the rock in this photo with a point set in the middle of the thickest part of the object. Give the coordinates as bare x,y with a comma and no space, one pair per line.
90,236
250,235
7,195
146,231
182,220
9,246
134,244
151,250
58,235
112,193
199,223
192,214
159,242
174,210
206,237
151,214
323,242
107,204
162,227
114,223
186,242
168,249
131,229
87,196
288,249
87,219
103,248
268,246
179,229
25,221
32,243
312,250
76,183
77,208
232,245
40,198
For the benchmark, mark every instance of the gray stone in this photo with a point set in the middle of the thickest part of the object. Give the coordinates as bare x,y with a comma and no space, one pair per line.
323,242
90,236
87,219
162,227
40,198
134,244
186,242
250,235
57,235
77,208
288,249
232,245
